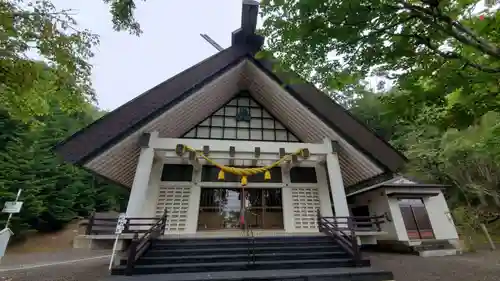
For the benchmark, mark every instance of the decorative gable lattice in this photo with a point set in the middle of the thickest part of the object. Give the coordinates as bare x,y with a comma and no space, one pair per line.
242,118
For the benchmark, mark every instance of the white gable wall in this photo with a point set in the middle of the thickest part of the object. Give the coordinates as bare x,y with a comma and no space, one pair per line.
119,162
308,127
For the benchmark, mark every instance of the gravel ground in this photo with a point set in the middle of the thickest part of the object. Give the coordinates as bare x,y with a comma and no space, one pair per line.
481,266
484,266
89,270
16,260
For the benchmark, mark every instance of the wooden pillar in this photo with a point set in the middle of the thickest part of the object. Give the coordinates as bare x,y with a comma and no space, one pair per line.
334,175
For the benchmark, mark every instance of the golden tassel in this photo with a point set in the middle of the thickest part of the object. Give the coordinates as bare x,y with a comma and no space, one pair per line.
221,175
244,180
267,175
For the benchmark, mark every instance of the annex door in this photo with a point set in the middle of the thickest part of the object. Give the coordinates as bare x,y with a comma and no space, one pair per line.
220,208
417,223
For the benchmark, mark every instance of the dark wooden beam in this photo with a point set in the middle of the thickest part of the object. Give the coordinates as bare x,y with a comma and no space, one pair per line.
144,140
335,147
245,35
179,150
232,153
249,13
306,153
282,152
256,156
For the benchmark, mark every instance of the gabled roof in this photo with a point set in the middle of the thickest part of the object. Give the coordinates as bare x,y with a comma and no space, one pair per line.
116,125
91,141
398,182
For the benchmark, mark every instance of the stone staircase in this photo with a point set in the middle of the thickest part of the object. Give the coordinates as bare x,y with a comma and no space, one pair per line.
241,258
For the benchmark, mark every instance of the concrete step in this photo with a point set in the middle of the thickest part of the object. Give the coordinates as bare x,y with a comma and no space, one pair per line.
243,243
318,274
241,257
238,266
288,248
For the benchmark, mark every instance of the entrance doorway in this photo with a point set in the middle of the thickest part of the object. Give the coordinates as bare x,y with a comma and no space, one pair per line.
417,223
220,208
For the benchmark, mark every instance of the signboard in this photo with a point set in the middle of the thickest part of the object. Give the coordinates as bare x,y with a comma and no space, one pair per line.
120,225
5,235
12,207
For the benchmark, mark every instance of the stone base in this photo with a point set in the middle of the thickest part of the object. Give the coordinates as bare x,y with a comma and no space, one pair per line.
438,253
424,248
92,243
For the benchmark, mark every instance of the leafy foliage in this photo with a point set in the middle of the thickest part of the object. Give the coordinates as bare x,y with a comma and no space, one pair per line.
36,29
441,66
123,15
45,81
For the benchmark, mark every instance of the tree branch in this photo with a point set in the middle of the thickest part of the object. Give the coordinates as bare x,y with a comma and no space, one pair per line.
383,29
448,55
453,28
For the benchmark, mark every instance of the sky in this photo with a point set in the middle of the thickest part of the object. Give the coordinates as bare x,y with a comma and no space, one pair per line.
125,65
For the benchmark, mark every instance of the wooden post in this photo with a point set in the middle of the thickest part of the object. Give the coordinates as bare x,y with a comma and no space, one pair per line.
126,227
88,230
377,223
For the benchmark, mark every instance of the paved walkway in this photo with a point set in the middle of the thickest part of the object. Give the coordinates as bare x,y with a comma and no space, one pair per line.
484,266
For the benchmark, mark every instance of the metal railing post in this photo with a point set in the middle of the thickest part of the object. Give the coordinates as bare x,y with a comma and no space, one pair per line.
354,239
377,224
132,252
318,219
164,221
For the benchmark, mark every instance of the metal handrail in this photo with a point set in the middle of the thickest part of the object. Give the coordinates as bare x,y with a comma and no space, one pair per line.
359,223
348,242
250,239
108,224
139,245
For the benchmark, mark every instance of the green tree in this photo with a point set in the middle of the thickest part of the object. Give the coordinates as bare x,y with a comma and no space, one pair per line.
54,193
36,29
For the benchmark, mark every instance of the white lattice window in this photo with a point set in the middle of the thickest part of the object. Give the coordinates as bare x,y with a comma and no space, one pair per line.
176,200
305,206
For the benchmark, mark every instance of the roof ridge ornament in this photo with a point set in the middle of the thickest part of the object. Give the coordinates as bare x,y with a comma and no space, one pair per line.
245,35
